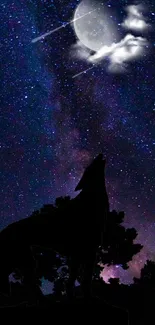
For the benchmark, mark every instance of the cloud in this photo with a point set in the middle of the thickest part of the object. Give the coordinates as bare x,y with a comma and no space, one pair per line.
79,51
135,19
118,54
135,10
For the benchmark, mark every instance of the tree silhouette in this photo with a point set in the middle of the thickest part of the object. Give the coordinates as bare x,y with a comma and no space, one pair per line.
117,248
147,277
62,202
70,240
114,281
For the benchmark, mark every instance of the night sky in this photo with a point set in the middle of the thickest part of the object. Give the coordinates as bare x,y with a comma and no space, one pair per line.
52,124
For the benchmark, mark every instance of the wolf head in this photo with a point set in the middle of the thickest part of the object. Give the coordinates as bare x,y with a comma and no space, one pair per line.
94,176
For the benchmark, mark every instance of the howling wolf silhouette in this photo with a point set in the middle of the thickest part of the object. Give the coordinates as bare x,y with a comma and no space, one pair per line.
74,231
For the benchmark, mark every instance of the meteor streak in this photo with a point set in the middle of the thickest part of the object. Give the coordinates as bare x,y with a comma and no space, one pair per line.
78,74
60,27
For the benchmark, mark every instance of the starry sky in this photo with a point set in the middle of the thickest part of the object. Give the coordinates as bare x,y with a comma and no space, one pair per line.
52,125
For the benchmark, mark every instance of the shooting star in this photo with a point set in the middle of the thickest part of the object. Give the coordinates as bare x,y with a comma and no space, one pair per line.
47,34
60,27
78,74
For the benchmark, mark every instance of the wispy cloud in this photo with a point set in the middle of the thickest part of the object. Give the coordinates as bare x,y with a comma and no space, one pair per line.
78,50
128,49
135,19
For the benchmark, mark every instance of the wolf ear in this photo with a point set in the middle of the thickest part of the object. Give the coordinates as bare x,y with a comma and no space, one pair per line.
97,162
99,157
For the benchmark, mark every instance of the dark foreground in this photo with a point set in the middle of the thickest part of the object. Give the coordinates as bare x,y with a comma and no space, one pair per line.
117,305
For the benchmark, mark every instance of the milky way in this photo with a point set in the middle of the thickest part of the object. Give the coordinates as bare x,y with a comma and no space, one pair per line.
52,125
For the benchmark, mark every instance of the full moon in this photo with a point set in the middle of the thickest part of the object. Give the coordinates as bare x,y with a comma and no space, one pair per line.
95,28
